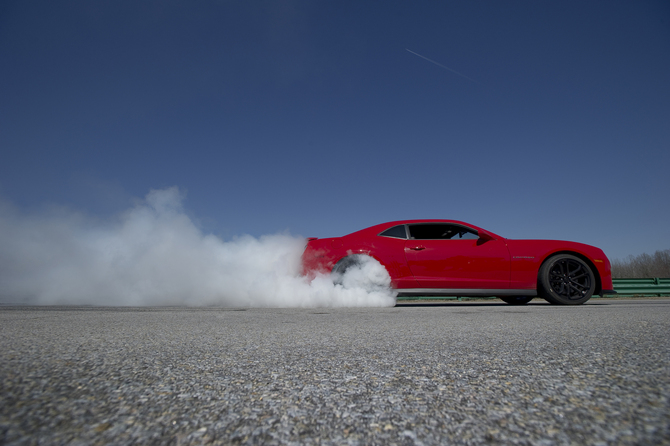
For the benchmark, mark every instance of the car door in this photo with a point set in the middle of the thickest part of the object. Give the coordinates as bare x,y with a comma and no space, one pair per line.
449,256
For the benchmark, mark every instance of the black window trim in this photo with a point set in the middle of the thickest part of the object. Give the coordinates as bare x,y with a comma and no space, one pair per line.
407,232
409,237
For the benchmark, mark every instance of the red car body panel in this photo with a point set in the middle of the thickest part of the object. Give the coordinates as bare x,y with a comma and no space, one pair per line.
488,263
468,265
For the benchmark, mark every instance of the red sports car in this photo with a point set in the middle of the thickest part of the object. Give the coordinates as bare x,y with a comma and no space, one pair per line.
452,258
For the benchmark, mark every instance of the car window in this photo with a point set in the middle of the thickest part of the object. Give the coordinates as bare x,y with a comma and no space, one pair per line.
395,232
439,231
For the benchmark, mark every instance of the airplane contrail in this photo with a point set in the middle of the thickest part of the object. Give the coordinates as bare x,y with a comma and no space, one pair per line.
440,65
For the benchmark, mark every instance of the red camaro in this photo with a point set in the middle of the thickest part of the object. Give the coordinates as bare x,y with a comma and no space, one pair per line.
452,258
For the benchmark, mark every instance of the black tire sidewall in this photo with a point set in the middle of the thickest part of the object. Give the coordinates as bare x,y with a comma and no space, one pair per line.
342,266
516,300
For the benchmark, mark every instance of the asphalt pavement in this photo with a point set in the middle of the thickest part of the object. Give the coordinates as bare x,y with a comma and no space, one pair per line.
450,373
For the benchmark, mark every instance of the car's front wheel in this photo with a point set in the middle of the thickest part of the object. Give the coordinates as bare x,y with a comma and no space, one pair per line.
516,300
566,280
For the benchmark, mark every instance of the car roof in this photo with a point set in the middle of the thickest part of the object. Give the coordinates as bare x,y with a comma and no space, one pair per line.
376,229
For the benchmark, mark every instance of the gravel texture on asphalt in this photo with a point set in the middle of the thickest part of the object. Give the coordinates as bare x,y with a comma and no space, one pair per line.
451,373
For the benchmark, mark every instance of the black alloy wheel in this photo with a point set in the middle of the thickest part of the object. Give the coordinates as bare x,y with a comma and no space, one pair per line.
566,280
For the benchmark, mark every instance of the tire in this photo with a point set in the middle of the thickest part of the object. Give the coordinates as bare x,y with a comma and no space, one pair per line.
516,300
342,266
566,280
369,274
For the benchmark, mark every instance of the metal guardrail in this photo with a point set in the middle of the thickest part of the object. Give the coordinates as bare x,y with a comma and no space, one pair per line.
624,287
655,286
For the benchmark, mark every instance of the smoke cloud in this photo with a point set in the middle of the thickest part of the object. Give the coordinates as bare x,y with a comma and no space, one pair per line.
153,254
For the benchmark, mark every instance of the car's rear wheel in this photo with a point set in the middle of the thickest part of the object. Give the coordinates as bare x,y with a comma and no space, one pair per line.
516,300
566,280
360,271
343,265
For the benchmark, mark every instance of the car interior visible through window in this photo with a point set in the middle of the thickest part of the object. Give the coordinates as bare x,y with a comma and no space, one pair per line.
441,232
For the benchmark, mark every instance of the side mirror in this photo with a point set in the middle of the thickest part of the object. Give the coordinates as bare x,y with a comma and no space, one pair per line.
485,236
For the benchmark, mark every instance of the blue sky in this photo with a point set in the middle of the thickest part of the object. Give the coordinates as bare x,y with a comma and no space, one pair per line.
538,119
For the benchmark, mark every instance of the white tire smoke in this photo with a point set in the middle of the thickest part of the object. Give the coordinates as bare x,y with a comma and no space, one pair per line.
154,254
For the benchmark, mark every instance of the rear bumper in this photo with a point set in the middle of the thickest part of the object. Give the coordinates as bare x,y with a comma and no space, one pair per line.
603,292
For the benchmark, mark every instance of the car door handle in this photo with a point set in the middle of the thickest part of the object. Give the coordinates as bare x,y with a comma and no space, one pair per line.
417,248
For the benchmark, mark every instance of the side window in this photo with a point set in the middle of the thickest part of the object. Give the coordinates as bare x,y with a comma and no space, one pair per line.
438,231
395,232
